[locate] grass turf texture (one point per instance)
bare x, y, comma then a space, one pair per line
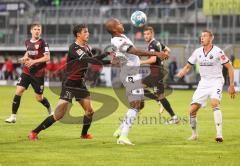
156, 144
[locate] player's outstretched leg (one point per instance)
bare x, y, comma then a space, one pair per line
60, 111
117, 132
15, 104
87, 118
165, 103
127, 124
44, 125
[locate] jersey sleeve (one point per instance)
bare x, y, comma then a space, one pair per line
45, 46
122, 44
223, 58
163, 46
193, 58
157, 46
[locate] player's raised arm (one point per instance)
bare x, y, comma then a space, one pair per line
139, 52
185, 69
231, 89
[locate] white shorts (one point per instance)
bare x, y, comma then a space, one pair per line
208, 88
132, 81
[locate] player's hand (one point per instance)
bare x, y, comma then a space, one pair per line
231, 91
180, 74
23, 60
115, 61
29, 62
162, 55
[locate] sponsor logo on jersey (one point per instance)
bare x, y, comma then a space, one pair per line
223, 57
79, 52
32, 53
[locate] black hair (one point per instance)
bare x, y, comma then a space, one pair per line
78, 28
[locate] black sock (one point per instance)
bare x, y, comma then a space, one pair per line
15, 104
150, 95
87, 120
45, 102
45, 124
167, 106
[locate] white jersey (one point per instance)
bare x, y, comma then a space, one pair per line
211, 64
122, 44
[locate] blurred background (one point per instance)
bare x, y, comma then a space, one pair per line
177, 23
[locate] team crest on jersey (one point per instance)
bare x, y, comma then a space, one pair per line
211, 56
199, 56
36, 46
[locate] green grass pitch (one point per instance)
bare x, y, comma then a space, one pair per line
156, 144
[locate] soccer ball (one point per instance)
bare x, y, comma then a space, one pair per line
138, 18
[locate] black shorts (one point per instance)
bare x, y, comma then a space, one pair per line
74, 88
36, 82
154, 82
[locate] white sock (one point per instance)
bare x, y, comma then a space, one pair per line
128, 121
218, 120
174, 117
121, 126
13, 115
193, 124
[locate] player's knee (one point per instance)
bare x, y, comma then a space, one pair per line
89, 111
215, 104
193, 110
141, 105
39, 98
19, 91
160, 95
137, 105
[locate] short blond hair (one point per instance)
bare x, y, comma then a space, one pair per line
35, 24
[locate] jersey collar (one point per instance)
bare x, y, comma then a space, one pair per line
34, 41
208, 51
151, 41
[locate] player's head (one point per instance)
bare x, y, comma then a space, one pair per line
36, 30
80, 31
148, 33
114, 27
206, 38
